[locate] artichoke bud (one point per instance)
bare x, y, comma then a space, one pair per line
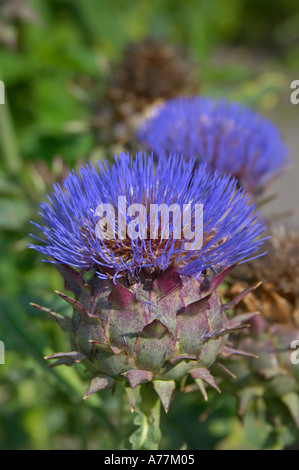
157, 331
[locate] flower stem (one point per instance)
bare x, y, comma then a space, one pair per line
147, 418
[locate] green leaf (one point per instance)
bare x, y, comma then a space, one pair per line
147, 436
14, 213
291, 400
247, 395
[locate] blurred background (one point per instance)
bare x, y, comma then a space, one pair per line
78, 79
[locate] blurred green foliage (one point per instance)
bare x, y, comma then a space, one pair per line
57, 68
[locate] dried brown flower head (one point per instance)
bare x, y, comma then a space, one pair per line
150, 72
278, 296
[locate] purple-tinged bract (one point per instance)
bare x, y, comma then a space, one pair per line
226, 136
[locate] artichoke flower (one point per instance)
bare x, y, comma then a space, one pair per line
228, 137
146, 306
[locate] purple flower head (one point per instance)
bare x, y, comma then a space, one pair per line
229, 223
226, 136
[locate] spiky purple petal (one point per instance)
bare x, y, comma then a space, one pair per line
226, 136
230, 223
